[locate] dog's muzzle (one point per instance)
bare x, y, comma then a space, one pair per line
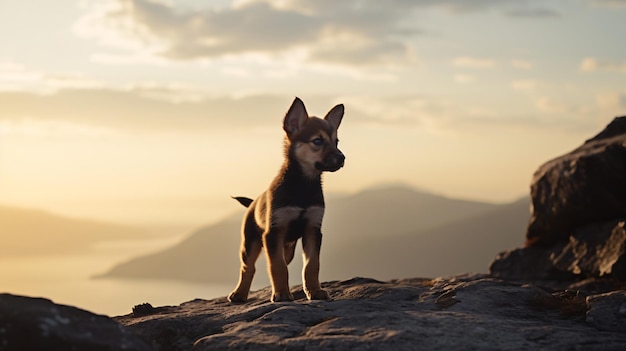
332, 162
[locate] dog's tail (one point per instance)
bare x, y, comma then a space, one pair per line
245, 201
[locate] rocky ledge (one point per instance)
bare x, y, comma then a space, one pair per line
470, 312
467, 312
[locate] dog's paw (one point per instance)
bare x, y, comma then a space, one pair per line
237, 297
319, 294
281, 297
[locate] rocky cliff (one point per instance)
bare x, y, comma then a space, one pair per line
563, 291
576, 228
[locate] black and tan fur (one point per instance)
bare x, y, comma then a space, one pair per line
292, 207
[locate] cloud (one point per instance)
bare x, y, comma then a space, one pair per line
612, 101
149, 108
350, 32
16, 77
400, 6
359, 37
592, 64
609, 3
464, 78
533, 13
549, 105
453, 6
473, 62
446, 116
397, 111
41, 128
524, 85
153, 108
141, 109
521, 64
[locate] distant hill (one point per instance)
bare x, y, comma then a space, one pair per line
35, 232
373, 233
462, 246
394, 209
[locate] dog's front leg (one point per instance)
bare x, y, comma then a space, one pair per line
274, 242
311, 245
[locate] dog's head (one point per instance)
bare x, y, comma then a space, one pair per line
312, 141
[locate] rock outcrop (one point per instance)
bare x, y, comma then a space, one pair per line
585, 186
595, 250
38, 324
471, 312
576, 229
467, 312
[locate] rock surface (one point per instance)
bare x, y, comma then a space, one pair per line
39, 324
585, 186
595, 250
467, 312
470, 312
576, 229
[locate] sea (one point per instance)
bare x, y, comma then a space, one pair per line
69, 279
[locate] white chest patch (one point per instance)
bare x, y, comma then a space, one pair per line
284, 215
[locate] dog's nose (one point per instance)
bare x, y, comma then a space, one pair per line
340, 157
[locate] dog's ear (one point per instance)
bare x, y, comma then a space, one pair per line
334, 116
295, 117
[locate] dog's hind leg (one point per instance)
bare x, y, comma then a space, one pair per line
249, 254
251, 247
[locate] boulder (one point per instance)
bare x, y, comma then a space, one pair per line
526, 264
38, 324
576, 230
594, 250
585, 186
467, 312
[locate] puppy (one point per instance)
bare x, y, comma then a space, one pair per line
292, 207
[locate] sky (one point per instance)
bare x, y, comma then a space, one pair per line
155, 112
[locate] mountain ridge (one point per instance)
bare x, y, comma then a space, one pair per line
26, 232
465, 245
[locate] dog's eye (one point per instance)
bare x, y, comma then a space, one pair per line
318, 141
